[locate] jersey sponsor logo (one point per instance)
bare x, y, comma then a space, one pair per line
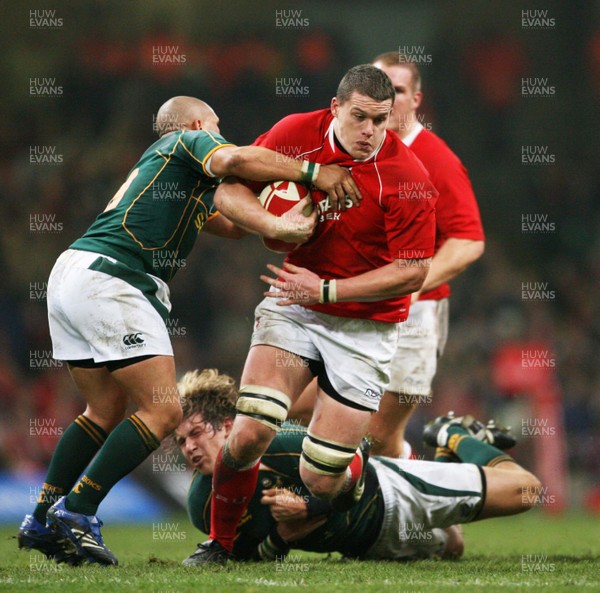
324, 206
133, 340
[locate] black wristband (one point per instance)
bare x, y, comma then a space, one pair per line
325, 291
317, 506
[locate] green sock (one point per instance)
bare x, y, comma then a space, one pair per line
470, 450
76, 448
444, 455
126, 447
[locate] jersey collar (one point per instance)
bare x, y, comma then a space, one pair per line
417, 128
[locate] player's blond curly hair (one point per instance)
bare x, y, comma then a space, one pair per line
209, 393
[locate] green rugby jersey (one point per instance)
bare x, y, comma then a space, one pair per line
153, 220
351, 533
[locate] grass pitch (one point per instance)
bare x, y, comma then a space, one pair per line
534, 553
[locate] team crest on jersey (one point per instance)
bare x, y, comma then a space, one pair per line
200, 220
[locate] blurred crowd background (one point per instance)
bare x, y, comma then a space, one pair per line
234, 54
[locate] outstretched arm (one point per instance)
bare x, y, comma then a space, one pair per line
261, 164
221, 226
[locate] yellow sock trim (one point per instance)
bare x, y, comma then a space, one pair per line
500, 459
86, 425
455, 440
148, 437
443, 452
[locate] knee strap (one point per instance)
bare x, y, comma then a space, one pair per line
325, 457
264, 404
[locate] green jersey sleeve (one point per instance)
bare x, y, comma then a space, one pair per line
197, 147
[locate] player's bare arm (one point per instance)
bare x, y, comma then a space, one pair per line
221, 226
299, 286
291, 531
453, 258
261, 164
239, 204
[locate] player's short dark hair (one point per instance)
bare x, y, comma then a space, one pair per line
209, 393
366, 80
397, 58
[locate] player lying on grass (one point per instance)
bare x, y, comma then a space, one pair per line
409, 509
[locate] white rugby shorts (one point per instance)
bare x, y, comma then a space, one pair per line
96, 315
356, 352
420, 499
421, 341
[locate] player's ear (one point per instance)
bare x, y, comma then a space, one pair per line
417, 99
196, 125
334, 106
227, 425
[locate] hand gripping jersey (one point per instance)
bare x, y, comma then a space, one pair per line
152, 222
457, 213
396, 218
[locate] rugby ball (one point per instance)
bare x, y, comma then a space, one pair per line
278, 197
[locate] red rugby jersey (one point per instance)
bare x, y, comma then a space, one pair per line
396, 218
457, 213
